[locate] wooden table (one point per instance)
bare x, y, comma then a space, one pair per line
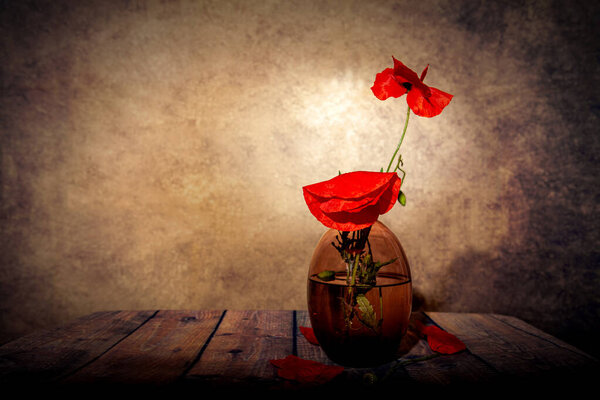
226, 350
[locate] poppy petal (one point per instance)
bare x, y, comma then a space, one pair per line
352, 185
402, 71
428, 106
424, 73
354, 200
441, 341
309, 334
348, 222
357, 204
386, 85
341, 221
306, 371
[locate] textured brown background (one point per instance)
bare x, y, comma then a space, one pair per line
153, 153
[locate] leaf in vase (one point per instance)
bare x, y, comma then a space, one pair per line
326, 275
367, 313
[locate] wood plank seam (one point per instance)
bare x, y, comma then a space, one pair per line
199, 355
540, 337
484, 362
294, 335
71, 373
481, 359
431, 320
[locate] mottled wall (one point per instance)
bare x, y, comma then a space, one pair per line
153, 153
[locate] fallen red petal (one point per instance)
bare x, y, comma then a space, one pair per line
306, 371
309, 334
439, 340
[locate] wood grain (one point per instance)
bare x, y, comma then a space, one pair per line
201, 350
48, 355
519, 352
439, 370
239, 352
158, 353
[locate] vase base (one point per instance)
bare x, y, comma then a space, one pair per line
363, 353
363, 362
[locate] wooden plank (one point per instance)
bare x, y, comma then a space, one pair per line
238, 355
48, 355
518, 351
446, 370
418, 366
214, 349
156, 354
522, 325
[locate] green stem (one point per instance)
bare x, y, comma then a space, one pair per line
380, 306
403, 175
401, 139
353, 282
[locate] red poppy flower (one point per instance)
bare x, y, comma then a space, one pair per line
441, 341
423, 100
353, 200
306, 371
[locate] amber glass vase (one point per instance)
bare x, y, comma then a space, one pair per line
360, 324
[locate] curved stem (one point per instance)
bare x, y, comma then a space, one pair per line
401, 139
403, 175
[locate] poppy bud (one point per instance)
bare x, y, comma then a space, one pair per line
402, 198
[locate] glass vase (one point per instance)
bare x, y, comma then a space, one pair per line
359, 295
